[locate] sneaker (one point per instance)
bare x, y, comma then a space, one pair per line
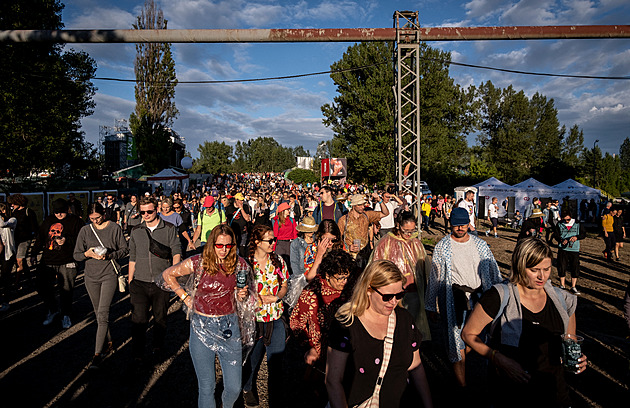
487, 233
250, 399
65, 322
4, 307
50, 317
96, 362
575, 291
496, 235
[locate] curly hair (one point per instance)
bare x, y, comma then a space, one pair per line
257, 235
18, 199
209, 259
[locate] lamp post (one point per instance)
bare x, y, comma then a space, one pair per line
595, 164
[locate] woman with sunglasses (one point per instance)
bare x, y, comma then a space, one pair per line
101, 276
327, 237
403, 247
214, 290
271, 277
380, 340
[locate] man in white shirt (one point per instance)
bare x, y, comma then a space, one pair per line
468, 204
462, 268
493, 216
388, 222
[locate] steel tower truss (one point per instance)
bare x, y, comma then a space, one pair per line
408, 105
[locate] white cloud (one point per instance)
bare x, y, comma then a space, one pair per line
104, 18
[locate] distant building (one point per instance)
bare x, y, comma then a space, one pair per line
118, 151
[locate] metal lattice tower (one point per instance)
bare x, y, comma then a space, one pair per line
408, 105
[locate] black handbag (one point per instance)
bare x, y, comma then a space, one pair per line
159, 249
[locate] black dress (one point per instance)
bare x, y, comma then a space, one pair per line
366, 355
538, 352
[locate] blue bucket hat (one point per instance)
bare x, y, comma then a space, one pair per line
459, 216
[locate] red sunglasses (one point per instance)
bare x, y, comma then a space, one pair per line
220, 246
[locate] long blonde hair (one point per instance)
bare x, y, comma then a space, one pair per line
378, 274
209, 258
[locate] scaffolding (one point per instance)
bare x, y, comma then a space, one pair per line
115, 146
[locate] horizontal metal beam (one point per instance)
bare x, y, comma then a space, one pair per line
314, 34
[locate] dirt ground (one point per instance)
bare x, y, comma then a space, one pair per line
47, 366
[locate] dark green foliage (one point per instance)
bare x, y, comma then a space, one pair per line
44, 93
214, 158
302, 176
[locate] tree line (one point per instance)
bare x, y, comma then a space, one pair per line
263, 154
517, 136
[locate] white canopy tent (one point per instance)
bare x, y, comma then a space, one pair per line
170, 180
493, 187
525, 191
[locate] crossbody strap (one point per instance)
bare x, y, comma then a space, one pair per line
101, 242
388, 344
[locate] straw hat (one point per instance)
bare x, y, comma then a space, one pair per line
536, 213
307, 225
357, 199
312, 205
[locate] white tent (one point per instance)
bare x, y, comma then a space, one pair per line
170, 180
576, 191
525, 191
493, 188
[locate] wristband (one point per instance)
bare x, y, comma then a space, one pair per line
184, 297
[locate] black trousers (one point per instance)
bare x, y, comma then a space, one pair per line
147, 296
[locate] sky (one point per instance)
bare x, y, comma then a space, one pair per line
289, 110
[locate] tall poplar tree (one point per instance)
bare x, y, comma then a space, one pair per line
155, 90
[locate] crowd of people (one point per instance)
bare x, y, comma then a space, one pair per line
258, 261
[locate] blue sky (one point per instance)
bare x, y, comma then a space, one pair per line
289, 110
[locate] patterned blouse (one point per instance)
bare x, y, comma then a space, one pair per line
268, 282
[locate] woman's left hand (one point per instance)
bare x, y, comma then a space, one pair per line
582, 364
267, 299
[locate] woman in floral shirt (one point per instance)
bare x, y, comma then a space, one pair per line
270, 272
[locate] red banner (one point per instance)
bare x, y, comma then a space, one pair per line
325, 167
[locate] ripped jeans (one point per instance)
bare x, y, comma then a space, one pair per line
210, 336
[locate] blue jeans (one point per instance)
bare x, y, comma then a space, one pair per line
275, 352
211, 336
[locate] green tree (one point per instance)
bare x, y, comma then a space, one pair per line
447, 115
362, 115
624, 155
44, 93
155, 90
302, 176
507, 131
214, 158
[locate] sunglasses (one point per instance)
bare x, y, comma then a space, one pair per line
270, 241
147, 212
389, 296
220, 246
177, 206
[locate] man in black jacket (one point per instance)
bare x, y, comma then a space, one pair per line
56, 238
144, 268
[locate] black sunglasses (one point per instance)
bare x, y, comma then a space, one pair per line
270, 241
389, 296
147, 212
220, 246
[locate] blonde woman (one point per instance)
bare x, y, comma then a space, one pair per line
359, 333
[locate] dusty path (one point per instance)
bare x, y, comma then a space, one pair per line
46, 366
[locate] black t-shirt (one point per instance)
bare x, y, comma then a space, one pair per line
235, 217
366, 355
538, 352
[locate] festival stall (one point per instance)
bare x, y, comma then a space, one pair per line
493, 188
170, 180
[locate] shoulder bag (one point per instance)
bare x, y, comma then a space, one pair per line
157, 248
388, 344
122, 281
